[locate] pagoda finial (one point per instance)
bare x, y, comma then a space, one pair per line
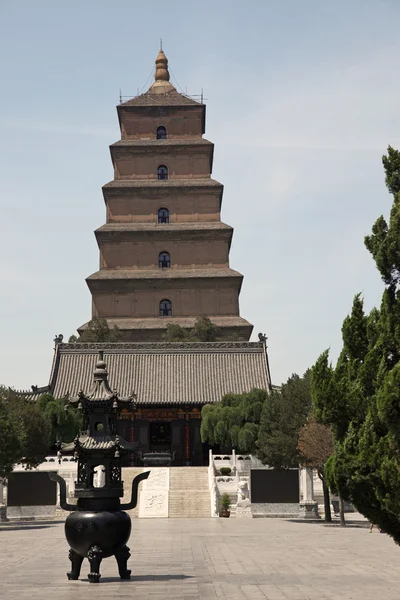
162, 73
161, 83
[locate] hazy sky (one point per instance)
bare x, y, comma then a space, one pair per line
303, 98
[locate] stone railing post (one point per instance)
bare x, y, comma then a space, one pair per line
212, 486
3, 508
308, 508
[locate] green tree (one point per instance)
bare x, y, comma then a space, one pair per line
25, 432
234, 422
176, 333
284, 413
64, 424
360, 397
204, 330
98, 330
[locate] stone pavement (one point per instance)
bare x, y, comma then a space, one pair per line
210, 559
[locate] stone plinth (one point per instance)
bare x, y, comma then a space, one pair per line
244, 512
275, 510
31, 512
308, 510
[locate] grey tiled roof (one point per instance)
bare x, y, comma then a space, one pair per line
33, 394
170, 227
162, 143
98, 443
170, 273
161, 322
205, 182
172, 98
162, 373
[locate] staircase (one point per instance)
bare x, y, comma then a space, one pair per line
128, 474
189, 495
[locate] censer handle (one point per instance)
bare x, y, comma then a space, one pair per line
135, 484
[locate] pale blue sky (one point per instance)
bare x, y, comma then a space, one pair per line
302, 100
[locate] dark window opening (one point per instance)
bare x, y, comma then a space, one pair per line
165, 308
164, 260
163, 215
162, 172
161, 133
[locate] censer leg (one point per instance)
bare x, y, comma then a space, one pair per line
94, 555
76, 563
122, 556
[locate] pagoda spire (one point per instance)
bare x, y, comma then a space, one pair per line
162, 73
161, 83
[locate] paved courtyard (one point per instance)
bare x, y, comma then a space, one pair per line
209, 559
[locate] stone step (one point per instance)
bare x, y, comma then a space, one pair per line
189, 478
189, 496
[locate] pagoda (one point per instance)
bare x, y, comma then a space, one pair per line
164, 252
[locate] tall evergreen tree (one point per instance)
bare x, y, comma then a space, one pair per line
284, 414
360, 398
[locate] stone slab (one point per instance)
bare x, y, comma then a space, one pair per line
158, 478
155, 494
277, 510
153, 504
31, 512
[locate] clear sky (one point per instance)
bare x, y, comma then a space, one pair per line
303, 98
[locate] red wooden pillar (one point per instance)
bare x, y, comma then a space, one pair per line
187, 439
132, 439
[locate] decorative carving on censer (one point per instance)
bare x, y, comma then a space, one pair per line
98, 528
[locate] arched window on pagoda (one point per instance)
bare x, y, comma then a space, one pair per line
163, 215
162, 172
165, 308
164, 260
161, 133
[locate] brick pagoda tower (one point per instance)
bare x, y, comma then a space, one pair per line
164, 252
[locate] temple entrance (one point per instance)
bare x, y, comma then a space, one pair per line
166, 436
160, 436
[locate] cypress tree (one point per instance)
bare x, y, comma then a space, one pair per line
360, 398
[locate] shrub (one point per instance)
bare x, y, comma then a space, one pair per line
225, 501
225, 470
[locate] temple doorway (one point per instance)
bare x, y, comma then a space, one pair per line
160, 436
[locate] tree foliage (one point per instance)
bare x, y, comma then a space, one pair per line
234, 422
315, 445
360, 397
176, 333
29, 430
64, 424
204, 330
25, 433
260, 422
284, 413
98, 330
